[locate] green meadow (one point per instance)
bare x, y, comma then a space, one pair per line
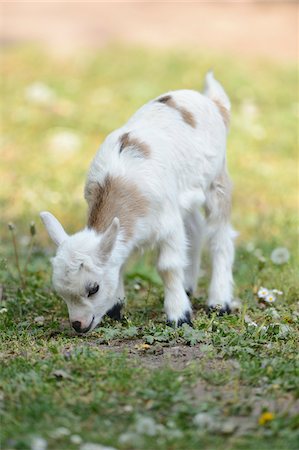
231, 382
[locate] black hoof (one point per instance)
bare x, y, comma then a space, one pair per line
189, 292
186, 319
115, 312
220, 311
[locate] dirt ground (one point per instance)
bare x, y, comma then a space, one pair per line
254, 29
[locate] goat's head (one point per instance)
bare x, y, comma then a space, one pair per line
85, 273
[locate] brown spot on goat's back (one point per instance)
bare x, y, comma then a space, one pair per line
166, 99
127, 141
115, 197
224, 113
187, 116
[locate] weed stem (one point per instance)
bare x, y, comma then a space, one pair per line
11, 228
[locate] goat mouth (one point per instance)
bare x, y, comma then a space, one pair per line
85, 330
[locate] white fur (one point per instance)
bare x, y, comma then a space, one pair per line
178, 178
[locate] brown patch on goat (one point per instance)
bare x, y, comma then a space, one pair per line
128, 141
115, 197
187, 116
224, 113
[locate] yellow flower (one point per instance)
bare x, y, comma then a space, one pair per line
266, 417
142, 346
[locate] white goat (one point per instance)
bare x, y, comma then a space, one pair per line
146, 186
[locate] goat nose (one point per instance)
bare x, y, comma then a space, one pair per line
77, 326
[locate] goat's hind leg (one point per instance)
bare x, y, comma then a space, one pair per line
220, 241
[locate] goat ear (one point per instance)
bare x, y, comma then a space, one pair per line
54, 228
108, 240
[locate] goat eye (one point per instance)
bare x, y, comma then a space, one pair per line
93, 290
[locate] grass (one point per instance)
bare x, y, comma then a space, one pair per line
139, 384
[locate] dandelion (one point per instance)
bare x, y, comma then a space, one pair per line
284, 330
174, 434
128, 438
229, 426
204, 420
65, 141
60, 432
270, 298
92, 446
265, 418
146, 425
32, 229
75, 439
280, 255
39, 320
262, 292
38, 443
249, 109
40, 94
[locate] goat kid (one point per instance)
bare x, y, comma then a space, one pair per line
146, 185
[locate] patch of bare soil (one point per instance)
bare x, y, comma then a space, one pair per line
154, 356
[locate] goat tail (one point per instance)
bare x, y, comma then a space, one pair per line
214, 91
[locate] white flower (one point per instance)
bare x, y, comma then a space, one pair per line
204, 420
174, 434
60, 432
3, 310
229, 426
75, 439
40, 320
270, 298
146, 425
280, 255
284, 330
40, 93
92, 446
262, 292
129, 438
64, 141
249, 109
38, 443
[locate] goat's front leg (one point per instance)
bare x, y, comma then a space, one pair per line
171, 261
115, 311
